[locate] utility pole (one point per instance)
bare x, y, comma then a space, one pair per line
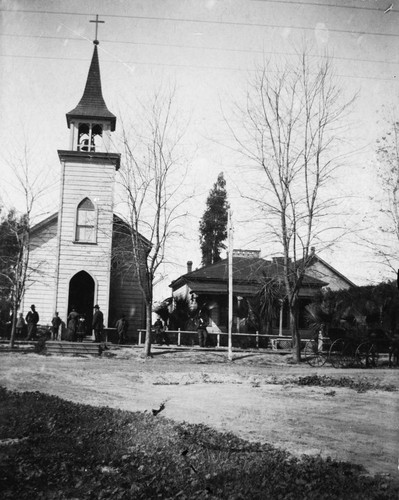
230, 272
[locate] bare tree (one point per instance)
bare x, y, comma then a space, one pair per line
152, 175
388, 175
17, 267
290, 127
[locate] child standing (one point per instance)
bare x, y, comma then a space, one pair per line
20, 325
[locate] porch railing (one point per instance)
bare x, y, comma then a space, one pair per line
181, 335
190, 337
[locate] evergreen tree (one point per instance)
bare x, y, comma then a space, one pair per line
213, 225
10, 227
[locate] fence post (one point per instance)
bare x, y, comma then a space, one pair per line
218, 340
139, 337
178, 336
257, 339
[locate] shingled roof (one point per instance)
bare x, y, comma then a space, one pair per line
92, 104
248, 273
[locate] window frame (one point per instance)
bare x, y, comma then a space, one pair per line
77, 238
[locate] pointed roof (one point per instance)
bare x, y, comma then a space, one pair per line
92, 104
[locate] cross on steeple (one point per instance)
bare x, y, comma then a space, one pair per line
96, 42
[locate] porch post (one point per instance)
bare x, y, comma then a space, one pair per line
280, 327
230, 287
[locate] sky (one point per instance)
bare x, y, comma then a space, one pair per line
209, 50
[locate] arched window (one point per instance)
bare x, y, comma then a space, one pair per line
86, 222
96, 137
84, 137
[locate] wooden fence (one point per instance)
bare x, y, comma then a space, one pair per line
220, 339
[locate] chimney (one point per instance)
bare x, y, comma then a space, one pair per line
248, 254
189, 266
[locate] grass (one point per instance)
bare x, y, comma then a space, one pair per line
62, 450
361, 385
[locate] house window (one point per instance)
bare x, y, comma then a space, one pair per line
89, 137
86, 222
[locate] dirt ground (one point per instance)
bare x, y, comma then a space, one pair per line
243, 396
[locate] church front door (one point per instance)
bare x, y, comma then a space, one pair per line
81, 297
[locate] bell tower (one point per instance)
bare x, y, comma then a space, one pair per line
85, 217
90, 122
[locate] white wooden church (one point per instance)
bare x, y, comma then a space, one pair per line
71, 250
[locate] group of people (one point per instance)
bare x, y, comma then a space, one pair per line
29, 323
162, 337
77, 327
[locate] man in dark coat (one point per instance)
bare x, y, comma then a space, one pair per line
55, 326
98, 323
32, 319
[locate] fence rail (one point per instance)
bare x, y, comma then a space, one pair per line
256, 337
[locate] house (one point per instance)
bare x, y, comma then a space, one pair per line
319, 268
207, 287
71, 251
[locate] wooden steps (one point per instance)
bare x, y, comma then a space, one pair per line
73, 348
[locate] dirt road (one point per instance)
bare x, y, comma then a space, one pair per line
245, 396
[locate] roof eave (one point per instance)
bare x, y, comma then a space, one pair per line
91, 117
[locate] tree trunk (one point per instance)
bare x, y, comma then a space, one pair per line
147, 345
14, 322
296, 338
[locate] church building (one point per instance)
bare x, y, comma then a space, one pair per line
71, 251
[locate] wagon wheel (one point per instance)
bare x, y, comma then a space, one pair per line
349, 355
338, 354
313, 355
367, 355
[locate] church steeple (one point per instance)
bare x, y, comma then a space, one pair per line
91, 121
92, 105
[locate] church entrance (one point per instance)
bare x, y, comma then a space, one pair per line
81, 297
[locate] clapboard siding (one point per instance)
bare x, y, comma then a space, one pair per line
126, 298
40, 286
324, 273
94, 181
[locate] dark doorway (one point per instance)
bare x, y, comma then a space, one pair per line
81, 297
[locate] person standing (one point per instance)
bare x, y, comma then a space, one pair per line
98, 323
161, 335
81, 331
202, 332
32, 319
73, 318
55, 326
20, 325
121, 328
